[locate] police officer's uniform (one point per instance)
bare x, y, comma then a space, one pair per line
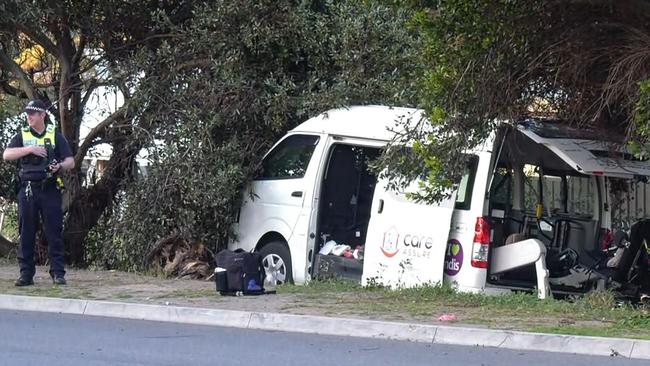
39, 193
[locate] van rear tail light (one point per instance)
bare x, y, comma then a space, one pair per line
481, 246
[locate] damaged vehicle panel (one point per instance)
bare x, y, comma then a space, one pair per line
532, 211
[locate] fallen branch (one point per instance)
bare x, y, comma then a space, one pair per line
177, 257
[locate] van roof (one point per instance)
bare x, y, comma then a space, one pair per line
582, 150
370, 122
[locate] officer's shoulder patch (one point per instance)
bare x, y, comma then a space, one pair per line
50, 128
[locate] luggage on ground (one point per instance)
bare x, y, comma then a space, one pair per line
239, 273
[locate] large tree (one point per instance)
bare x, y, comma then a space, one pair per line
236, 79
581, 61
62, 52
208, 86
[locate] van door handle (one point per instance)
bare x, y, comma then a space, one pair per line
381, 206
296, 194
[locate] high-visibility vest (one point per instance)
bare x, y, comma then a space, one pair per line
47, 139
31, 166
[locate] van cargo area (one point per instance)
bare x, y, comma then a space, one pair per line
347, 190
537, 194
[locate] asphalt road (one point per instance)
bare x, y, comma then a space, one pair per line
29, 338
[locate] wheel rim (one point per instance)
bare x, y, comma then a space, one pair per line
274, 264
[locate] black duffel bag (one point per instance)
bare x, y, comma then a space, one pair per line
239, 273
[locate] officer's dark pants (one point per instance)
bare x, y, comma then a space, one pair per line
44, 201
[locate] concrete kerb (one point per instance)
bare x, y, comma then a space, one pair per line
598, 346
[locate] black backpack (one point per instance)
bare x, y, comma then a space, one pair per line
239, 273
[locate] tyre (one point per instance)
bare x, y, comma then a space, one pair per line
276, 259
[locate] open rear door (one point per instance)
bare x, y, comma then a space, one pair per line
586, 155
406, 241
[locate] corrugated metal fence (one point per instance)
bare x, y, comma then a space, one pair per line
580, 194
629, 205
633, 203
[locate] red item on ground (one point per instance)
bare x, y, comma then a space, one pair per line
447, 318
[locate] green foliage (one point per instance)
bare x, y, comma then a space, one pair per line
10, 229
641, 146
470, 46
11, 121
225, 86
489, 61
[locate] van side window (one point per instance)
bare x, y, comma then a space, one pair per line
501, 189
466, 186
289, 160
552, 193
580, 192
562, 192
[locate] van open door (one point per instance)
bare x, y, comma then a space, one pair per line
584, 152
406, 241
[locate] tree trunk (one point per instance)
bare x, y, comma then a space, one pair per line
6, 246
88, 205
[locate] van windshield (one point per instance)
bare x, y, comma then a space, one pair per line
290, 159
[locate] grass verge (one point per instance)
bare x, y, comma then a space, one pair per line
596, 314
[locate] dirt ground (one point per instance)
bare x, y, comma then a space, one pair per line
129, 287
136, 288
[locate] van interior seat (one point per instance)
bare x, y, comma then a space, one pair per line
573, 240
581, 235
639, 233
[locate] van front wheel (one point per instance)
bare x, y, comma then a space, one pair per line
276, 259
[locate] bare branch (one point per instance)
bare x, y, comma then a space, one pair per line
94, 84
80, 49
25, 83
39, 38
123, 113
124, 89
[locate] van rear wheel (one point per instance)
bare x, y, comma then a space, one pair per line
276, 259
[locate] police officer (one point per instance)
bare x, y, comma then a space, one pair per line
42, 152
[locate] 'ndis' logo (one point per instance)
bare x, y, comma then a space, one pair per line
453, 257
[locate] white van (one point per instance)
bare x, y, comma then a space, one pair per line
531, 209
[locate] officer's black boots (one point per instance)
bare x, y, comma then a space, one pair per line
59, 280
24, 281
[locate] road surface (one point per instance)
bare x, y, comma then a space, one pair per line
30, 338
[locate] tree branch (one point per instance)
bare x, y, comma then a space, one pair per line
80, 49
8, 89
94, 84
25, 83
6, 246
100, 131
39, 38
